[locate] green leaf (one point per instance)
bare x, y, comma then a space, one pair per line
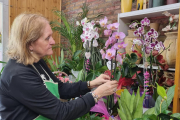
98, 65
76, 54
102, 69
62, 56
133, 70
150, 111
90, 76
127, 55
150, 117
125, 108
166, 112
80, 75
164, 116
80, 65
127, 98
139, 109
132, 102
133, 57
126, 69
161, 91
170, 94
176, 115
121, 114
117, 75
136, 100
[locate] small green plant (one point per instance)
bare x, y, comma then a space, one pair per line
160, 112
131, 106
58, 63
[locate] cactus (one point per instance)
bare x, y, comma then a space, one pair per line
131, 106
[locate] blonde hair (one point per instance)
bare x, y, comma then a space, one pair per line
26, 28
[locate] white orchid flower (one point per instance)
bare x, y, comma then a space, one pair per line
77, 23
109, 65
84, 21
95, 43
87, 55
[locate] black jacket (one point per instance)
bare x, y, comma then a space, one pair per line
23, 96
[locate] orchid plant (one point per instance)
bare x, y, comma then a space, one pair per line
111, 53
173, 20
149, 43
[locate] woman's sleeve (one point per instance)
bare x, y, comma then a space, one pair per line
68, 90
32, 93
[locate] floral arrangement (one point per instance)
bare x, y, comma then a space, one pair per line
173, 20
151, 52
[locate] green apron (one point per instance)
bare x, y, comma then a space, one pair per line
52, 87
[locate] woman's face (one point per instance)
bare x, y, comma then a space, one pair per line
43, 46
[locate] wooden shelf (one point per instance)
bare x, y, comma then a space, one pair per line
124, 18
154, 67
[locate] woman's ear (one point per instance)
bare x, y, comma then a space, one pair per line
30, 47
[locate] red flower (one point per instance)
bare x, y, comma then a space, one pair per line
124, 82
134, 76
169, 82
135, 51
161, 80
108, 72
162, 61
155, 52
159, 57
164, 67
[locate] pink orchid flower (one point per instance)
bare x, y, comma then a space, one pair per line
119, 58
107, 32
110, 53
146, 75
111, 40
103, 22
145, 22
118, 35
102, 53
113, 26
120, 45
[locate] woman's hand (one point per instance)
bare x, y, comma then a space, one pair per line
106, 89
99, 81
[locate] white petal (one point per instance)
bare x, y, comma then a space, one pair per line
88, 55
95, 43
109, 65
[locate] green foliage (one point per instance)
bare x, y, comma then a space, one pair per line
94, 73
76, 62
129, 67
58, 63
2, 67
154, 113
89, 117
131, 106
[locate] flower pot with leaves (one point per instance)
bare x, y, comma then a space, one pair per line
171, 33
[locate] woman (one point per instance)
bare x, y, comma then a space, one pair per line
23, 94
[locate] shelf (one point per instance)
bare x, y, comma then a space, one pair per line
124, 18
150, 12
154, 67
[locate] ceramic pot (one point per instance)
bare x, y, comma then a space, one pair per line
140, 2
171, 1
170, 54
155, 26
126, 6
157, 3
128, 40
